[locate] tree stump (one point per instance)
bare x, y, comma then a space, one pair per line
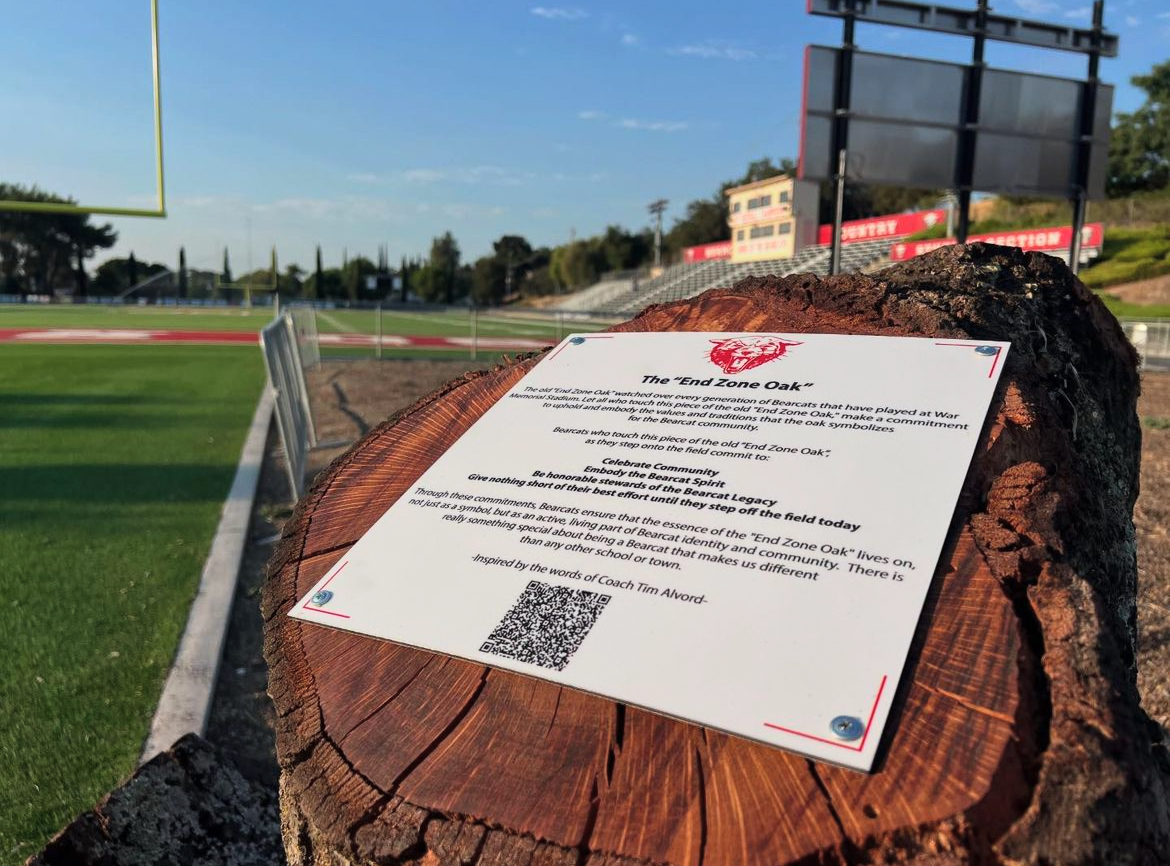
1016, 736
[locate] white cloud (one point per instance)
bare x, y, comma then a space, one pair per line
1080, 12
631, 40
1038, 7
463, 210
423, 175
345, 208
1163, 15
485, 174
592, 177
590, 114
199, 201
713, 49
653, 125
1132, 20
559, 13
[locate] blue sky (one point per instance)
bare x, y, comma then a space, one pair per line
368, 122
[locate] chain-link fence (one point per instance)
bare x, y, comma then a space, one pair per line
435, 332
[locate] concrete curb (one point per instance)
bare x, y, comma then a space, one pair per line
186, 695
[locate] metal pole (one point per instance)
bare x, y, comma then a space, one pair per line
965, 156
656, 208
378, 344
1085, 146
841, 131
474, 337
838, 214
658, 241
276, 305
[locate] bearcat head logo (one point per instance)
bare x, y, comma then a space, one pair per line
743, 353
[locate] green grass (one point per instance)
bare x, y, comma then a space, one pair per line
96, 316
1124, 309
114, 463
1130, 254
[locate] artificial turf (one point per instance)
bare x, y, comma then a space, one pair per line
114, 464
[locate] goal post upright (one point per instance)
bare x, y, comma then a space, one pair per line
158, 212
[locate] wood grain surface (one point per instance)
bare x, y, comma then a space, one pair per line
1016, 734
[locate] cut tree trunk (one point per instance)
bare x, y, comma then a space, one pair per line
1016, 736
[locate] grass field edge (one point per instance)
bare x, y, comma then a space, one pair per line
185, 701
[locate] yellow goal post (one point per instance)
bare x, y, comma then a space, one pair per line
161, 210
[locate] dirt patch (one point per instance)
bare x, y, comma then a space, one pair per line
1152, 291
350, 397
1152, 520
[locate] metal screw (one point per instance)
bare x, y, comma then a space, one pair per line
577, 341
322, 597
847, 727
986, 350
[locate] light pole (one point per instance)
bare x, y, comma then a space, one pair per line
656, 208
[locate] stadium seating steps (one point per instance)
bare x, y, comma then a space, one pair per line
629, 295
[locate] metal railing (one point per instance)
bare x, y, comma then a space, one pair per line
294, 418
1151, 338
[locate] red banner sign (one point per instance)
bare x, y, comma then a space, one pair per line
707, 252
1055, 239
890, 226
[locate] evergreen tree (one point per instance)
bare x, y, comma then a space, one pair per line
273, 273
182, 272
318, 279
132, 270
227, 267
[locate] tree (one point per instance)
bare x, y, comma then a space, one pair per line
273, 272
862, 200
227, 267
406, 271
574, 265
620, 250
324, 284
41, 251
762, 169
442, 282
1139, 155
488, 281
512, 252
353, 275
114, 275
705, 223
313, 284
182, 272
293, 280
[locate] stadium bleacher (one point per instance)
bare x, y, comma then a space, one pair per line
629, 295
599, 296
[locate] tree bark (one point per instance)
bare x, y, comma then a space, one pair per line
1016, 736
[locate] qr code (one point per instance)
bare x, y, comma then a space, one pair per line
546, 625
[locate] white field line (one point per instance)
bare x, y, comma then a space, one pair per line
335, 323
186, 696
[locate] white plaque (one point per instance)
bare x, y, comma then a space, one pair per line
738, 530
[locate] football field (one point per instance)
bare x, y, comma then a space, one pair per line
423, 323
114, 465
